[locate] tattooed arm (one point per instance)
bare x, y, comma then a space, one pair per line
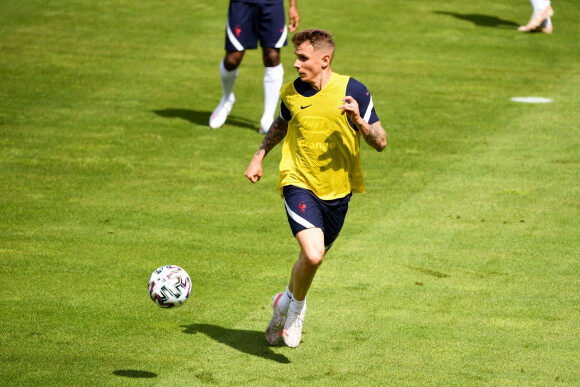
373, 134
276, 134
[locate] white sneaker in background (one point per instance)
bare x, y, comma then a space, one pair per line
221, 112
265, 124
537, 20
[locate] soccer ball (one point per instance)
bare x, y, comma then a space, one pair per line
169, 286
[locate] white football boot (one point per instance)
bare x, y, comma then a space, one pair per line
265, 124
221, 112
276, 325
293, 328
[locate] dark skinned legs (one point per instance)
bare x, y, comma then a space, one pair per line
270, 57
273, 75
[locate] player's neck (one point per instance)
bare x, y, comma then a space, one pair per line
322, 80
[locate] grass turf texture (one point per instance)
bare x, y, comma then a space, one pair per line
458, 267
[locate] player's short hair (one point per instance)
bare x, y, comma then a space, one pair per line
320, 39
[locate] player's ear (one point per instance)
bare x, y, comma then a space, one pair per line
325, 61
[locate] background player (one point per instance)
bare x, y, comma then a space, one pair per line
248, 22
541, 17
322, 116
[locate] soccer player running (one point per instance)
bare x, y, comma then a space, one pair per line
322, 117
248, 22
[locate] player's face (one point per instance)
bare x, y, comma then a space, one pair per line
308, 63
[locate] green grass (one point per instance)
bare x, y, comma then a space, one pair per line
459, 266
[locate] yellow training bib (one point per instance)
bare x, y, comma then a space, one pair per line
321, 151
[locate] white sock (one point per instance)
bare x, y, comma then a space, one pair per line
273, 79
539, 5
284, 301
298, 306
228, 79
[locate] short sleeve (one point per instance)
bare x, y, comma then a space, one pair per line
285, 112
364, 99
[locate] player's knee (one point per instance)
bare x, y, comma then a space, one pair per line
313, 257
271, 57
233, 60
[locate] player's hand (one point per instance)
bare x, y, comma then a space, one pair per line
254, 171
293, 18
350, 107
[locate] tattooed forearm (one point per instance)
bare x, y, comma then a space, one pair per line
375, 136
276, 134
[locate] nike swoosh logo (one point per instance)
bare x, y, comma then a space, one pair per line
304, 107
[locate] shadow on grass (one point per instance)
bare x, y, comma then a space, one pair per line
250, 342
138, 374
430, 272
481, 20
202, 118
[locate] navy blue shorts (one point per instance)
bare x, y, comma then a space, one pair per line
306, 210
249, 23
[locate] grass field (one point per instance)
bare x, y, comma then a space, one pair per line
459, 266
